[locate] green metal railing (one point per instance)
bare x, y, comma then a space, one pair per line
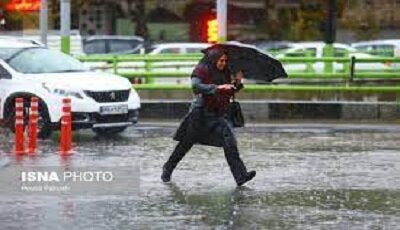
282, 88
150, 66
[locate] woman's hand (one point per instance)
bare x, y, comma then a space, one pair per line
238, 81
226, 88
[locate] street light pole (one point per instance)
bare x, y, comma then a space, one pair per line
65, 25
43, 21
222, 6
330, 34
331, 22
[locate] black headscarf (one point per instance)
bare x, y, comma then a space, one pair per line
210, 59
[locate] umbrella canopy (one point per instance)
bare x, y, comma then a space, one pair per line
255, 65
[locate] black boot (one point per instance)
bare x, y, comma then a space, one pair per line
235, 163
179, 152
166, 175
250, 175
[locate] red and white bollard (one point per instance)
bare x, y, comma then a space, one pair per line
33, 122
19, 126
66, 127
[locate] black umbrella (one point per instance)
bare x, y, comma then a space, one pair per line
255, 65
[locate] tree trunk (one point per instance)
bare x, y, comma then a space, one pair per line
135, 9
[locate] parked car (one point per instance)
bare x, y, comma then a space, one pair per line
188, 48
175, 66
97, 44
383, 48
53, 39
112, 44
274, 47
23, 40
178, 48
315, 49
386, 48
101, 101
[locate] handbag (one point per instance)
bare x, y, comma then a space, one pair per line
235, 114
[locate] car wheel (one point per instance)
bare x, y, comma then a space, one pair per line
109, 131
44, 124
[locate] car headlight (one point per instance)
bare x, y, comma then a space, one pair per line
62, 92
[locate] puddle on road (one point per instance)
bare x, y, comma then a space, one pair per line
310, 180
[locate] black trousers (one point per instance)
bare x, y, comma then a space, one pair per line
231, 151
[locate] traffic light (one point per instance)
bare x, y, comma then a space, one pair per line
23, 5
205, 27
212, 30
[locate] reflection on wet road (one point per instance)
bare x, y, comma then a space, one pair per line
308, 177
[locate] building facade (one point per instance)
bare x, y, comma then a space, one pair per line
183, 20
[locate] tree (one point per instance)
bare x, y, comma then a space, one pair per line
360, 18
310, 18
55, 10
136, 10
272, 25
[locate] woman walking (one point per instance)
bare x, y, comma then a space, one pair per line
206, 121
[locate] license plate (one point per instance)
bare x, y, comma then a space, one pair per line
114, 109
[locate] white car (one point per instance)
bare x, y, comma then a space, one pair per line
178, 48
101, 101
112, 44
53, 39
386, 47
315, 49
181, 66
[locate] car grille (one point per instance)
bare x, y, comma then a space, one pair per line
109, 96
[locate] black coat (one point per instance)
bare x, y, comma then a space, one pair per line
203, 125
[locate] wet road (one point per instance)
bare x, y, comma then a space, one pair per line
309, 176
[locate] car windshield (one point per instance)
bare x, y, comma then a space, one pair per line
40, 60
6, 53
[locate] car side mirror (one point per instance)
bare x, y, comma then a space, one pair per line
4, 74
